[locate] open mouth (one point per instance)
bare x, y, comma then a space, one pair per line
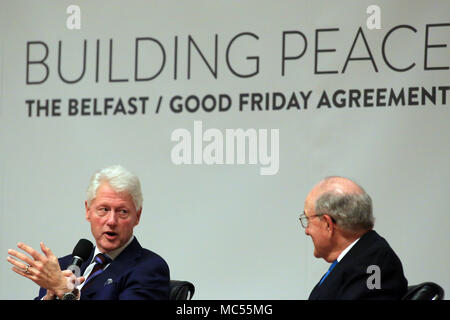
110, 235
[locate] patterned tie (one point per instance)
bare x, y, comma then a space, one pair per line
101, 261
328, 272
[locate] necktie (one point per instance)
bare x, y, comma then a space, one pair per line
328, 272
101, 261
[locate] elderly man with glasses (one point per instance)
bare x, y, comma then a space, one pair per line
338, 217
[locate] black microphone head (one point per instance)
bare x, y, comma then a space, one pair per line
83, 249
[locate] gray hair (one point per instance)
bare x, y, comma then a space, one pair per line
120, 179
353, 212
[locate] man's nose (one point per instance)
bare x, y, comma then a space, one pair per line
112, 218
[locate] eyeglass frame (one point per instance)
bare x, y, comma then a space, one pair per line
304, 216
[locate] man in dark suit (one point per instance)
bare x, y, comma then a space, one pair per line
118, 268
338, 218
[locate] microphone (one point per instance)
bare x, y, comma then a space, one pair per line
80, 253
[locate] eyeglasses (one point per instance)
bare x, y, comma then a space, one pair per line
304, 220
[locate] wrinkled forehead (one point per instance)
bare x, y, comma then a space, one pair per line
310, 201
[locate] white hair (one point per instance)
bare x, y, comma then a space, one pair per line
120, 179
353, 211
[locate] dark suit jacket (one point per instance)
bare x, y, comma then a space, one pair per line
348, 279
135, 274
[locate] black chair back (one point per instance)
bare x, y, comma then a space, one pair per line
181, 290
424, 291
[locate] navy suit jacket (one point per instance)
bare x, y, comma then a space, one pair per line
135, 274
348, 279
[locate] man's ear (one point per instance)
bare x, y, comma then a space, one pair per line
88, 218
330, 224
138, 216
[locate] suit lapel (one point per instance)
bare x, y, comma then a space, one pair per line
112, 273
86, 263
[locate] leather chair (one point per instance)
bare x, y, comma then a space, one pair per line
181, 290
424, 291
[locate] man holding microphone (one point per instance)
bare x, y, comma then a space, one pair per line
118, 267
